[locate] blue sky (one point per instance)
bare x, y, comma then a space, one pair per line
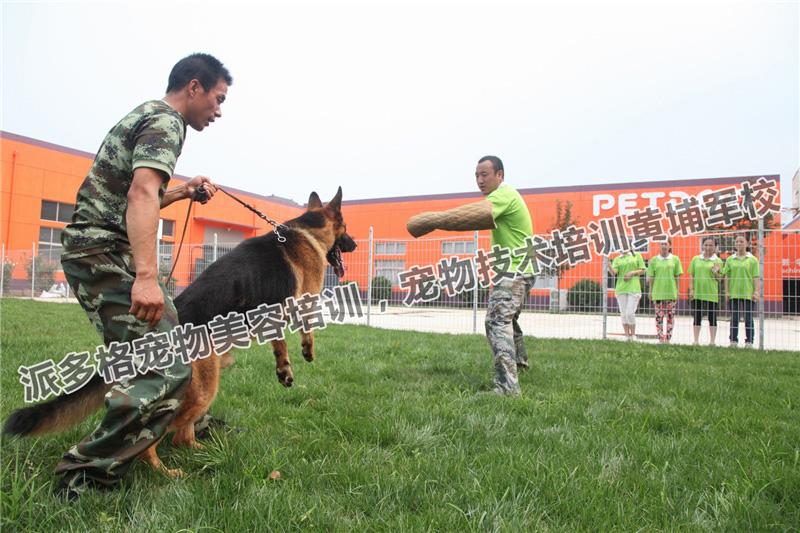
391, 99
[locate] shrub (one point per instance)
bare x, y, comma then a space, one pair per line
45, 272
467, 297
585, 295
381, 289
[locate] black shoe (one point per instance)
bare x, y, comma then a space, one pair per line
73, 484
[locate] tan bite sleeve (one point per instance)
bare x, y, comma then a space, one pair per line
468, 217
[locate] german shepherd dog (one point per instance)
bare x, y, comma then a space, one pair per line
259, 270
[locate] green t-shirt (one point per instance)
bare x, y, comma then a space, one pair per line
513, 222
624, 264
150, 136
741, 273
663, 271
704, 284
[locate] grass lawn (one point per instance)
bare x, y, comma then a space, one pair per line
397, 431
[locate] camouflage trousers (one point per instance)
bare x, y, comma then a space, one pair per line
504, 334
139, 409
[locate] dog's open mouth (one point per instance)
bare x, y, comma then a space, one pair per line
335, 259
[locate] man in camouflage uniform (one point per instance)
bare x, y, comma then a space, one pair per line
513, 226
505, 213
110, 262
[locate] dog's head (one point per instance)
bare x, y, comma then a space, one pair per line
342, 242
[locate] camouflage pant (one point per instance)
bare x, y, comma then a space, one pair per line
138, 410
504, 334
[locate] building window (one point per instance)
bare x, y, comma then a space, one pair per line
390, 248
57, 211
458, 247
50, 243
167, 228
390, 270
165, 257
545, 281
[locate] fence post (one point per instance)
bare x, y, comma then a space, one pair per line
604, 285
33, 268
475, 293
3, 272
369, 278
214, 256
763, 283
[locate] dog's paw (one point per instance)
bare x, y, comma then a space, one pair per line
285, 376
174, 472
308, 352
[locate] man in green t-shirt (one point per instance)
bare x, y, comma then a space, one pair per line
505, 213
110, 262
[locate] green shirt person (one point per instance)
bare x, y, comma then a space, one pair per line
504, 212
627, 268
513, 222
705, 274
743, 287
663, 273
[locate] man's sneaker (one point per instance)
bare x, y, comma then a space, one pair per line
522, 366
497, 391
73, 484
748, 345
734, 344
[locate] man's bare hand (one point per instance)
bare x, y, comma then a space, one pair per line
148, 300
208, 187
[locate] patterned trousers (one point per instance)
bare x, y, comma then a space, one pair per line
504, 334
139, 409
665, 309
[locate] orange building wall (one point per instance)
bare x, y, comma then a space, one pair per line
388, 218
42, 171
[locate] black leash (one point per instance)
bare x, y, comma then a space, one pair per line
276, 225
200, 195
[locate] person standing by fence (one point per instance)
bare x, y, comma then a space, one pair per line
662, 277
504, 211
627, 267
742, 286
705, 273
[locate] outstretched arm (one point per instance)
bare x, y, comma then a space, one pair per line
469, 217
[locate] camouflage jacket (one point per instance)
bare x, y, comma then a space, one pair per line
150, 136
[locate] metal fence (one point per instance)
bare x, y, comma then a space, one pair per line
569, 302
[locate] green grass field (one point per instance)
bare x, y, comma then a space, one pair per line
397, 431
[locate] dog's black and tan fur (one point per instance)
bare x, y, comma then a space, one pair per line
259, 270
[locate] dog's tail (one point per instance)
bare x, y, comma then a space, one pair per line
57, 414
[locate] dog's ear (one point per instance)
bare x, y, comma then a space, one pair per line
336, 203
314, 201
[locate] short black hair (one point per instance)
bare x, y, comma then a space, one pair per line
205, 68
497, 165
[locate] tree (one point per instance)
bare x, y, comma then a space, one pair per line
563, 221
